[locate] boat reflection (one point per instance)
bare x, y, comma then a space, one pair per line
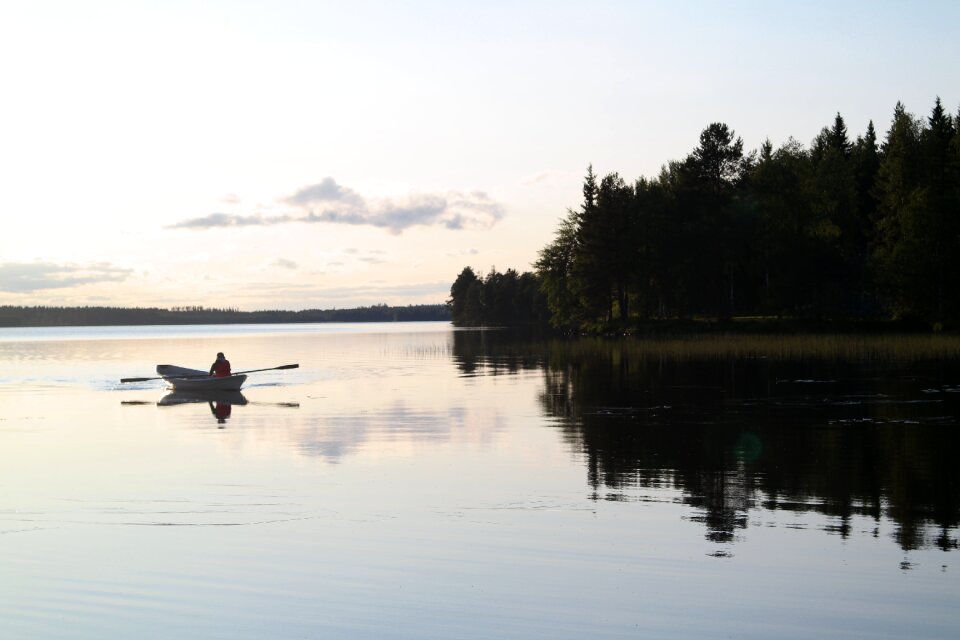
220, 402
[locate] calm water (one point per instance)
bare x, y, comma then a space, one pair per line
410, 481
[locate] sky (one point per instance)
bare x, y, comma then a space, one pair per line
306, 154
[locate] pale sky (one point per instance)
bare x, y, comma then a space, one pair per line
294, 155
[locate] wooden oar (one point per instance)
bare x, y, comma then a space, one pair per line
235, 373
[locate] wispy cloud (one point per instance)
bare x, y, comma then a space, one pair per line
329, 202
284, 263
324, 192
26, 277
220, 220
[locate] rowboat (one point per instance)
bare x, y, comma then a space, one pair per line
184, 379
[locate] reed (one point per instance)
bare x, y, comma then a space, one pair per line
775, 347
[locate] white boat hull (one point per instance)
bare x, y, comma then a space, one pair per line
184, 379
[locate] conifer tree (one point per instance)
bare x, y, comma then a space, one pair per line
711, 176
464, 299
900, 246
940, 212
554, 269
603, 254
838, 137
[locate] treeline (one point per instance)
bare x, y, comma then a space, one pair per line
861, 229
498, 299
14, 316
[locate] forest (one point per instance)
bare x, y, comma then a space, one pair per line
845, 230
40, 316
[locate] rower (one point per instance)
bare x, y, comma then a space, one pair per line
221, 367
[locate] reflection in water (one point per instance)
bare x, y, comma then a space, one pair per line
220, 410
465, 484
220, 402
842, 427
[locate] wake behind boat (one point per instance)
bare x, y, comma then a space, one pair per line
183, 378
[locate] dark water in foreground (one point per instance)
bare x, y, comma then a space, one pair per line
409, 481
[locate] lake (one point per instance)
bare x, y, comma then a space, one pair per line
416, 481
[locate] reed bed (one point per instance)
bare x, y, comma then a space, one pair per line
776, 347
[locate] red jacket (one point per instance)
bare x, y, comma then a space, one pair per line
220, 368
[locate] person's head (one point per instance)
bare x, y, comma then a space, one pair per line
220, 356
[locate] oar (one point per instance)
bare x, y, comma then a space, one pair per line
235, 373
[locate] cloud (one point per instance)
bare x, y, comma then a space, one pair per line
325, 191
220, 220
284, 263
332, 203
462, 252
26, 277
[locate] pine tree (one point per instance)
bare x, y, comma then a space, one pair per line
603, 254
900, 246
711, 176
838, 137
833, 203
941, 216
463, 311
554, 269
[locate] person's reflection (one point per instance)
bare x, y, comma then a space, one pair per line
221, 411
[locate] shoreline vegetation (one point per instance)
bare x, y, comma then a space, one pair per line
846, 235
46, 316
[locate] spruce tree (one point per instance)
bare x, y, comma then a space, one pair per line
900, 245
554, 269
462, 311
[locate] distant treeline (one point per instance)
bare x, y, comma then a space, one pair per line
843, 230
12, 316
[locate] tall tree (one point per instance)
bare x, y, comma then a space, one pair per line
712, 175
652, 283
900, 230
790, 233
604, 255
554, 269
464, 299
941, 210
839, 141
834, 200
866, 166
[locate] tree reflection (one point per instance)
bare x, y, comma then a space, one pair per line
846, 433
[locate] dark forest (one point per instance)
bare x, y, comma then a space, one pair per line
843, 231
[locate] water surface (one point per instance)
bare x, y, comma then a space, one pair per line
412, 481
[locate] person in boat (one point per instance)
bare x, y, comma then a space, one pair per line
221, 367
